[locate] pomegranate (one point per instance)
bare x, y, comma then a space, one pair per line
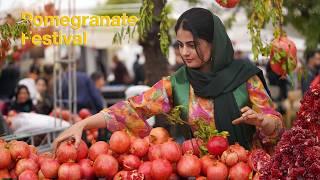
66, 152
86, 167
26, 164
19, 150
145, 168
5, 158
192, 146
44, 156
33, 149
229, 157
5, 44
283, 56
98, 148
217, 144
131, 162
257, 159
171, 151
228, 3
217, 171
154, 152
240, 171
13, 174
69, 170
206, 161
84, 113
139, 147
161, 169
49, 168
158, 135
241, 151
34, 156
4, 173
82, 150
28, 175
105, 166
119, 142
121, 175
189, 166
66, 115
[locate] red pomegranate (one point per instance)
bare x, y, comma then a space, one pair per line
154, 152
49, 168
105, 166
229, 157
84, 113
161, 169
217, 144
66, 152
240, 171
98, 148
192, 146
5, 158
131, 162
82, 150
241, 152
228, 3
86, 167
26, 164
119, 142
206, 161
217, 171
283, 56
257, 159
158, 135
19, 150
139, 147
28, 175
189, 166
69, 170
171, 151
145, 168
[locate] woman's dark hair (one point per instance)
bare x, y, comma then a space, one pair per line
199, 22
18, 89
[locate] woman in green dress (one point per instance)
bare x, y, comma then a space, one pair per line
228, 95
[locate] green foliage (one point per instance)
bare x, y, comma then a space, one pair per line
164, 30
14, 31
146, 18
305, 17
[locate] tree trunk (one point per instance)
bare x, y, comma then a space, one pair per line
156, 65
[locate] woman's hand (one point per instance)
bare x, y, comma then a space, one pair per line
250, 117
267, 125
75, 132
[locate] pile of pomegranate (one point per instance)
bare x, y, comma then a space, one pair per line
297, 155
156, 156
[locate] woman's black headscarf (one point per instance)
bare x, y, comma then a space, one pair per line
226, 74
25, 106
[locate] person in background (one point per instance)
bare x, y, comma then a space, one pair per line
22, 101
44, 100
98, 79
88, 96
9, 79
121, 74
30, 82
138, 71
312, 69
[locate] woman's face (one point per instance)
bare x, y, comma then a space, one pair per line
23, 95
41, 86
187, 49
